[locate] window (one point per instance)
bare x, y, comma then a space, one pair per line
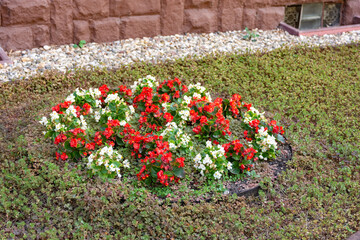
313, 15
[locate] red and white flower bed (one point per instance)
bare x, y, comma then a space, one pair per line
159, 128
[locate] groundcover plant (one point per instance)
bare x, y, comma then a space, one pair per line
158, 128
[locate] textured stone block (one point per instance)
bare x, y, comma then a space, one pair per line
134, 7
249, 18
201, 4
140, 26
91, 9
15, 38
41, 35
25, 12
200, 21
81, 31
106, 30
172, 17
270, 17
351, 9
61, 22
231, 19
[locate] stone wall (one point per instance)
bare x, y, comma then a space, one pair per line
33, 23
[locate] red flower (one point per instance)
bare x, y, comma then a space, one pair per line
108, 132
197, 129
166, 157
60, 138
254, 123
168, 117
181, 162
87, 108
73, 142
113, 123
177, 94
90, 146
64, 156
165, 97
103, 89
184, 88
203, 120
245, 134
209, 108
248, 106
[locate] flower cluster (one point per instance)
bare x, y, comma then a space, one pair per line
212, 162
106, 162
159, 128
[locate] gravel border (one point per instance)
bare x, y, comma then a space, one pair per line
161, 48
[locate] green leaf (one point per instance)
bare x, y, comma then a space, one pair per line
169, 173
112, 107
179, 172
153, 173
67, 146
235, 169
280, 138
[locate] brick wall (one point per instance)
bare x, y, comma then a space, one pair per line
26, 24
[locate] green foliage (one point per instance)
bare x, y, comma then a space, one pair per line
81, 44
313, 92
250, 35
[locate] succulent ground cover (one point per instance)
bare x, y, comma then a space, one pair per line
313, 93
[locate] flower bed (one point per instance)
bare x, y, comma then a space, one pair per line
158, 129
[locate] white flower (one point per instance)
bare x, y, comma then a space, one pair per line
119, 157
71, 111
44, 121
187, 100
97, 103
126, 163
207, 160
262, 132
185, 114
132, 109
202, 167
109, 151
70, 98
112, 97
95, 93
112, 168
97, 116
58, 127
208, 96
217, 175
54, 115
196, 95
197, 158
172, 146
122, 123
106, 150
229, 166
79, 92
208, 144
